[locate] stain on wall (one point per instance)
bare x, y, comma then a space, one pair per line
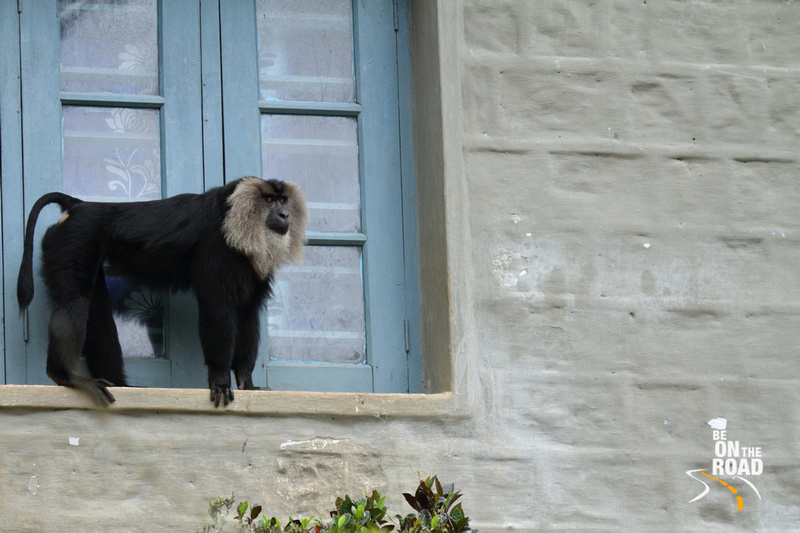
310, 471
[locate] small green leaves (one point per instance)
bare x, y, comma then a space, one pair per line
364, 515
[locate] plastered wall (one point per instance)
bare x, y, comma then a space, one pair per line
634, 189
610, 254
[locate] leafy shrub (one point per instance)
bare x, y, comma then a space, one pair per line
366, 514
435, 506
435, 509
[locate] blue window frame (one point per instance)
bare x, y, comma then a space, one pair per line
206, 91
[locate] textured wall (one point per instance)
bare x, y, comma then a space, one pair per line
620, 187
634, 189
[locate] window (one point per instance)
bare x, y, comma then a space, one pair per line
128, 100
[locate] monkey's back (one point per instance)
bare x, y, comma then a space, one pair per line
151, 241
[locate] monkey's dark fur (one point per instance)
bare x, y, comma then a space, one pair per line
225, 245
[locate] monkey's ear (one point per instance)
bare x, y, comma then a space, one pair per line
298, 216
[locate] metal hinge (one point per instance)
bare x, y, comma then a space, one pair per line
407, 335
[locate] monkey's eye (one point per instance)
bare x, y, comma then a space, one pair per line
282, 199
270, 199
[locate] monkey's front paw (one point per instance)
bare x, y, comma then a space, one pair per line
222, 393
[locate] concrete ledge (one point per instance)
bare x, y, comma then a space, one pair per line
264, 403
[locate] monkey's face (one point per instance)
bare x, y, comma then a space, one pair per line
277, 217
266, 221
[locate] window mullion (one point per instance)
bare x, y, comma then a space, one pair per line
382, 194
13, 371
211, 73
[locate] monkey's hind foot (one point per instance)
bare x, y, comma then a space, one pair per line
97, 388
247, 384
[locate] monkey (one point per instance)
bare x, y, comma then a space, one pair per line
224, 245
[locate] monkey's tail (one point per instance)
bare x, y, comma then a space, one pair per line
25, 278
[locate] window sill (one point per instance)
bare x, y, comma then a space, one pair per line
264, 403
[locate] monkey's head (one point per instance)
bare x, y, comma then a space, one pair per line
266, 221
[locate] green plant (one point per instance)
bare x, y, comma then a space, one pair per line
436, 508
245, 521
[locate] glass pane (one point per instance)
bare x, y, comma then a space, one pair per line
109, 46
305, 50
139, 315
317, 309
321, 155
113, 155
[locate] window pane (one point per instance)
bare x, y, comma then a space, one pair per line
109, 46
317, 310
321, 155
113, 154
305, 50
139, 315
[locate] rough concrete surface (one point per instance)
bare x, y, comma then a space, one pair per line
621, 207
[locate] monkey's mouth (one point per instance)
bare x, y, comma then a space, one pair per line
280, 229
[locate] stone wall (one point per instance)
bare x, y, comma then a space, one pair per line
615, 187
